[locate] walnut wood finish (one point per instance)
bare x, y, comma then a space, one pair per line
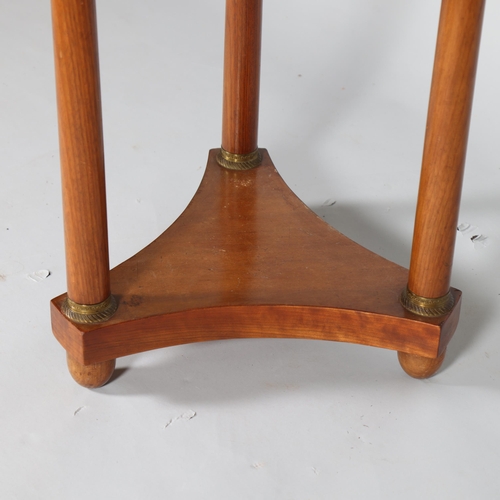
445, 147
92, 375
248, 259
419, 366
240, 113
81, 149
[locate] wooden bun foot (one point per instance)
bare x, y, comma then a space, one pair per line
419, 366
91, 376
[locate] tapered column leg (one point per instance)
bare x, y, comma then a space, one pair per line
443, 159
240, 114
82, 162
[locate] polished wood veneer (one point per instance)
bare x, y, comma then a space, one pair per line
248, 259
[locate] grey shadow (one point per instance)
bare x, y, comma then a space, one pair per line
118, 373
217, 372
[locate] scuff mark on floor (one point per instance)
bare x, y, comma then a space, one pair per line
472, 232
39, 276
78, 410
187, 415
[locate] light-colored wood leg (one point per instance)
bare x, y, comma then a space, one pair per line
81, 150
240, 113
419, 366
444, 151
89, 298
241, 75
91, 376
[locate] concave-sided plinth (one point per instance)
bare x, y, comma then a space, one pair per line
248, 259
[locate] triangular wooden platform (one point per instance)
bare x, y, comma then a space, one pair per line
248, 259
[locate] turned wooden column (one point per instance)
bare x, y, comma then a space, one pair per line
240, 114
89, 299
444, 150
81, 150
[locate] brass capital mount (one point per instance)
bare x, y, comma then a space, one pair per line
93, 313
234, 161
428, 307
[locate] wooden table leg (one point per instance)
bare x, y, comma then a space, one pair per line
443, 161
240, 114
82, 170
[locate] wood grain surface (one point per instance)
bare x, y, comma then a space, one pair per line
248, 259
240, 114
92, 375
445, 147
419, 366
81, 150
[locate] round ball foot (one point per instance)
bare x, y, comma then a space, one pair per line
91, 376
419, 366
